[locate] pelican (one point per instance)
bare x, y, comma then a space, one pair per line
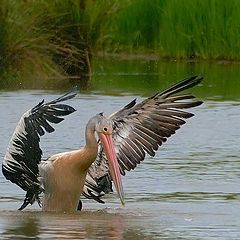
114, 145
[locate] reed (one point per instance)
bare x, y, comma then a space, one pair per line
136, 26
57, 39
80, 26
179, 28
200, 29
25, 46
50, 39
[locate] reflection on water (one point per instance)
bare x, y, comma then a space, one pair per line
24, 228
85, 225
145, 77
190, 190
221, 81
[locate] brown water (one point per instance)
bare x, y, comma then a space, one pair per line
190, 190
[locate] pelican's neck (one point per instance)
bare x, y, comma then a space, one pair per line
88, 154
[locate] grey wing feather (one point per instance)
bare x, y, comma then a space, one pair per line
23, 155
142, 128
98, 181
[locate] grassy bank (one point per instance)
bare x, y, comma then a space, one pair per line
180, 28
50, 39
57, 39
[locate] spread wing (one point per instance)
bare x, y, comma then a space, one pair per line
140, 129
23, 155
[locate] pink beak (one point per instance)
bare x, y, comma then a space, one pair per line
106, 140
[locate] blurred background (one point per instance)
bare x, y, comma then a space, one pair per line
105, 45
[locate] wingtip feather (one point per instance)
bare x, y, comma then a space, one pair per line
182, 85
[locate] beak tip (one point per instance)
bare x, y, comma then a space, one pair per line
122, 201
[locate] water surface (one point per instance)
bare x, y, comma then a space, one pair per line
189, 190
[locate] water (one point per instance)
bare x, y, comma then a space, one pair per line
189, 190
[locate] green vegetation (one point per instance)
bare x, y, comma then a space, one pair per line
145, 77
181, 28
50, 39
57, 39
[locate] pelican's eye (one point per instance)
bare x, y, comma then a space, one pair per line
105, 129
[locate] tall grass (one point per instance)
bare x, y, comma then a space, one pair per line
57, 38
78, 25
25, 49
180, 28
200, 29
137, 25
50, 38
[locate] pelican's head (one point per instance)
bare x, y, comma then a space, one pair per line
103, 125
104, 129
